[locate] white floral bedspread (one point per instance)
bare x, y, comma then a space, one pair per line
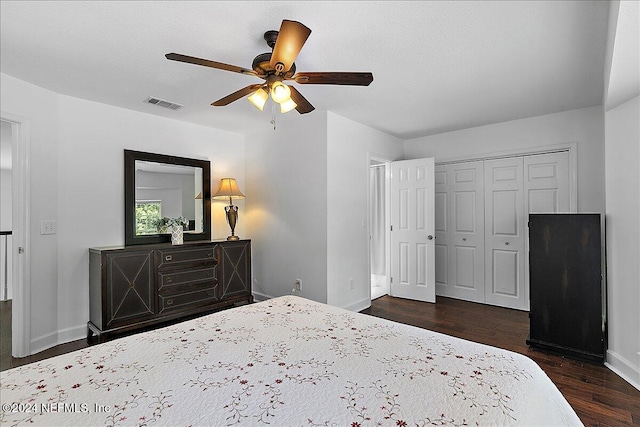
284, 362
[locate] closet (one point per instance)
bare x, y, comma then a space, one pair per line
481, 215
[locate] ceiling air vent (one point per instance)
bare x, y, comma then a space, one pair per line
162, 103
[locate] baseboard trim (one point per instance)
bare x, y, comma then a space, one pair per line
623, 368
43, 343
258, 296
358, 305
53, 339
72, 334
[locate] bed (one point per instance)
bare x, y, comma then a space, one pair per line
287, 361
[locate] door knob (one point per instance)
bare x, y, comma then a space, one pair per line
430, 237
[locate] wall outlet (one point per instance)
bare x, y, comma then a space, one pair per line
48, 226
298, 285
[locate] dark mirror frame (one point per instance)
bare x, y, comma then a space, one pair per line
130, 158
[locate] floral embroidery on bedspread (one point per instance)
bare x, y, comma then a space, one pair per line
286, 361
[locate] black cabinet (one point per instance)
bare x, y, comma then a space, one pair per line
566, 285
135, 287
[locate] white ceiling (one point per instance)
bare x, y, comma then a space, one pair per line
437, 66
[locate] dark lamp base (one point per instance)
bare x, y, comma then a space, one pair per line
233, 238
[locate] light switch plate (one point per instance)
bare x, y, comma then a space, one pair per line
48, 226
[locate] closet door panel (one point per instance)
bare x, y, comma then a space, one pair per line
461, 244
504, 233
467, 235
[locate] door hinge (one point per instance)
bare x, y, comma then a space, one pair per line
20, 250
391, 280
391, 228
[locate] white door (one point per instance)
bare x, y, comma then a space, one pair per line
546, 189
546, 183
466, 251
413, 230
504, 233
442, 216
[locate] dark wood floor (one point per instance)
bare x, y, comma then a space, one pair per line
599, 396
6, 361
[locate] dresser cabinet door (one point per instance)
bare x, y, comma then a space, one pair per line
235, 262
130, 290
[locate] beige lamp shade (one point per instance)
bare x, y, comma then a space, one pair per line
228, 190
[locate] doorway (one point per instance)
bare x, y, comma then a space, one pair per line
379, 227
6, 240
14, 156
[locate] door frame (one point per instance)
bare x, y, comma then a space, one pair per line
21, 191
570, 147
387, 213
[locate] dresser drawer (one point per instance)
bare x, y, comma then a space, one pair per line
184, 277
169, 258
196, 297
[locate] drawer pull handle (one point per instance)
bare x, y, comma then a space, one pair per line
168, 257
464, 239
169, 279
208, 253
169, 302
506, 243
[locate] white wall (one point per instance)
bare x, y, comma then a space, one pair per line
623, 238
77, 179
584, 126
286, 214
349, 145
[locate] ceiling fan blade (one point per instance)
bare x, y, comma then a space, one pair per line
291, 38
207, 63
329, 78
236, 95
303, 106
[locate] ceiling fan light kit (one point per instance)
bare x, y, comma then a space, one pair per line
278, 66
259, 98
280, 92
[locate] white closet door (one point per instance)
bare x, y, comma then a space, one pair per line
546, 189
460, 231
442, 215
412, 219
467, 231
504, 233
546, 183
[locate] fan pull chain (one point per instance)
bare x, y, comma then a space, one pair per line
273, 115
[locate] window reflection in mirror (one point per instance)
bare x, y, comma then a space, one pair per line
167, 191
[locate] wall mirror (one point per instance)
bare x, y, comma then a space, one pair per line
159, 188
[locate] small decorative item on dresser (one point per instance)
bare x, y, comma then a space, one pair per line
229, 190
173, 226
177, 235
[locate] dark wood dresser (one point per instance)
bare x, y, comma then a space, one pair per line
135, 287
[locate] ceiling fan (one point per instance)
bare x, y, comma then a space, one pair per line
275, 68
